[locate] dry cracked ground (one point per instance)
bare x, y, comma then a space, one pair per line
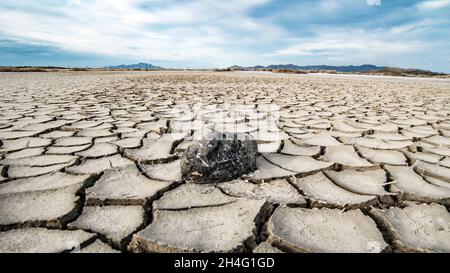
90, 162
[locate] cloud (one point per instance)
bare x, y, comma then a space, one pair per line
173, 31
433, 4
373, 2
73, 2
351, 45
213, 33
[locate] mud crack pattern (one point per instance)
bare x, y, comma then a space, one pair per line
90, 162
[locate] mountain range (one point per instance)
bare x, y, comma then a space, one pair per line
347, 68
135, 66
365, 69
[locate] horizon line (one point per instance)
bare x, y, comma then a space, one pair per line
222, 67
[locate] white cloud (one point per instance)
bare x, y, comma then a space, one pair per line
220, 33
329, 5
352, 46
73, 2
433, 4
373, 2
169, 31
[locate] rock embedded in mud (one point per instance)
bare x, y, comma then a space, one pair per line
219, 157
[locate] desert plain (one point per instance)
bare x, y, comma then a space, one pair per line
90, 162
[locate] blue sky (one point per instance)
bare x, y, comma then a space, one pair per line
217, 33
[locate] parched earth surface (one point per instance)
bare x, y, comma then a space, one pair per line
90, 162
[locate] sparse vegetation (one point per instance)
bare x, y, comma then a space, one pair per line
22, 69
284, 70
222, 69
401, 72
79, 69
294, 69
39, 69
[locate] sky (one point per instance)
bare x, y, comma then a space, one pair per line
221, 33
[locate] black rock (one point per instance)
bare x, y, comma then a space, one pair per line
219, 157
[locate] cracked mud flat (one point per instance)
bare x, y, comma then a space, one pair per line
90, 162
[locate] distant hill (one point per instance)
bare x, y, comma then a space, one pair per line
409, 72
135, 66
367, 69
237, 67
348, 68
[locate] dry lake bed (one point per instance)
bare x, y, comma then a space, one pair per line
90, 162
